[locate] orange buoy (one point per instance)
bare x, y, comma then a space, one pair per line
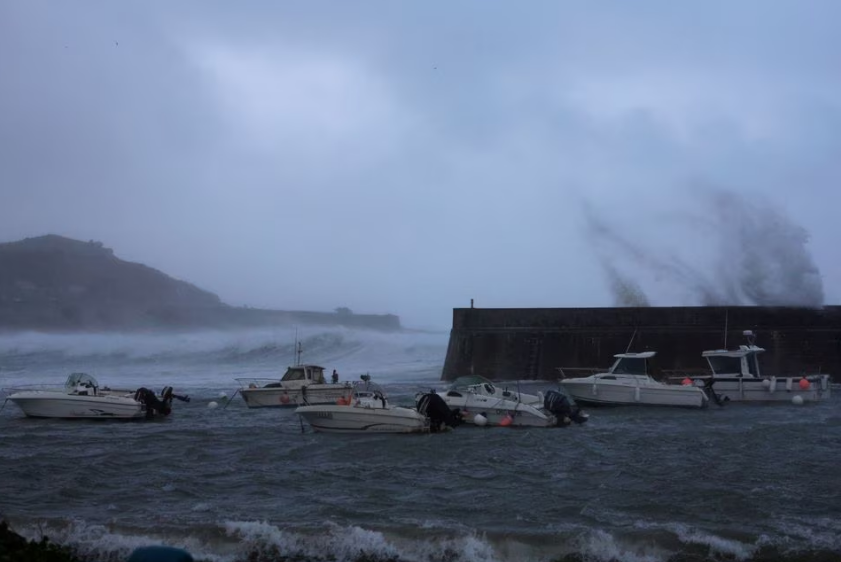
284, 398
506, 421
804, 384
686, 382
340, 401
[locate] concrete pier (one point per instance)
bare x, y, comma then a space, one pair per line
532, 343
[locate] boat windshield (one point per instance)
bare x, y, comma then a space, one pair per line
368, 389
80, 379
725, 365
312, 373
462, 383
294, 374
629, 366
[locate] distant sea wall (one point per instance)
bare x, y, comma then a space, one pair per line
237, 317
532, 343
66, 317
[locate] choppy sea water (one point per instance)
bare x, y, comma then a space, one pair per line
231, 483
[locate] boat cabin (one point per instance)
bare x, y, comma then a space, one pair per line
311, 374
742, 362
629, 364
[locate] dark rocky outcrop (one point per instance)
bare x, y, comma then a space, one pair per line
56, 283
15, 548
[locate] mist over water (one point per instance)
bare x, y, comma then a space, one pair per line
215, 357
757, 254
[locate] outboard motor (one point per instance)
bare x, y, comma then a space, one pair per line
712, 394
152, 403
439, 413
562, 408
162, 405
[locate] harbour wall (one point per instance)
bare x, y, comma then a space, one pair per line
533, 343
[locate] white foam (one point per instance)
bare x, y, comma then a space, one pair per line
716, 544
820, 532
601, 545
99, 542
344, 544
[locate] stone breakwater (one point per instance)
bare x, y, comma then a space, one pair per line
532, 343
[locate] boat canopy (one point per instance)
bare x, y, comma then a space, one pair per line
627, 364
641, 355
80, 379
741, 352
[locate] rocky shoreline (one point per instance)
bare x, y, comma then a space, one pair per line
15, 548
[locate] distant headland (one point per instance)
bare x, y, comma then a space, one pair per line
53, 283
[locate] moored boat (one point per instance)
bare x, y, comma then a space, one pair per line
366, 409
627, 382
83, 398
301, 385
735, 376
480, 402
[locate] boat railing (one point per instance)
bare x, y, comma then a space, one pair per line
578, 372
259, 381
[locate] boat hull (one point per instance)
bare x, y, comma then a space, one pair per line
630, 395
519, 418
42, 404
280, 397
772, 390
496, 411
351, 419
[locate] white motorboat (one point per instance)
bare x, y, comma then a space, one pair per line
478, 401
301, 385
366, 409
82, 397
480, 385
736, 376
627, 382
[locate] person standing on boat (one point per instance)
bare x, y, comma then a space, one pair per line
335, 377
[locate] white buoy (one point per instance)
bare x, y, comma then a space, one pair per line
766, 383
212, 405
480, 420
797, 400
223, 394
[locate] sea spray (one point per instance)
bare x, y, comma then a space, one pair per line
760, 257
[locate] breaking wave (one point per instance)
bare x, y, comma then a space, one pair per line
757, 254
249, 352
261, 541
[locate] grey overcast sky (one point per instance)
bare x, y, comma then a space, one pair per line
405, 157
